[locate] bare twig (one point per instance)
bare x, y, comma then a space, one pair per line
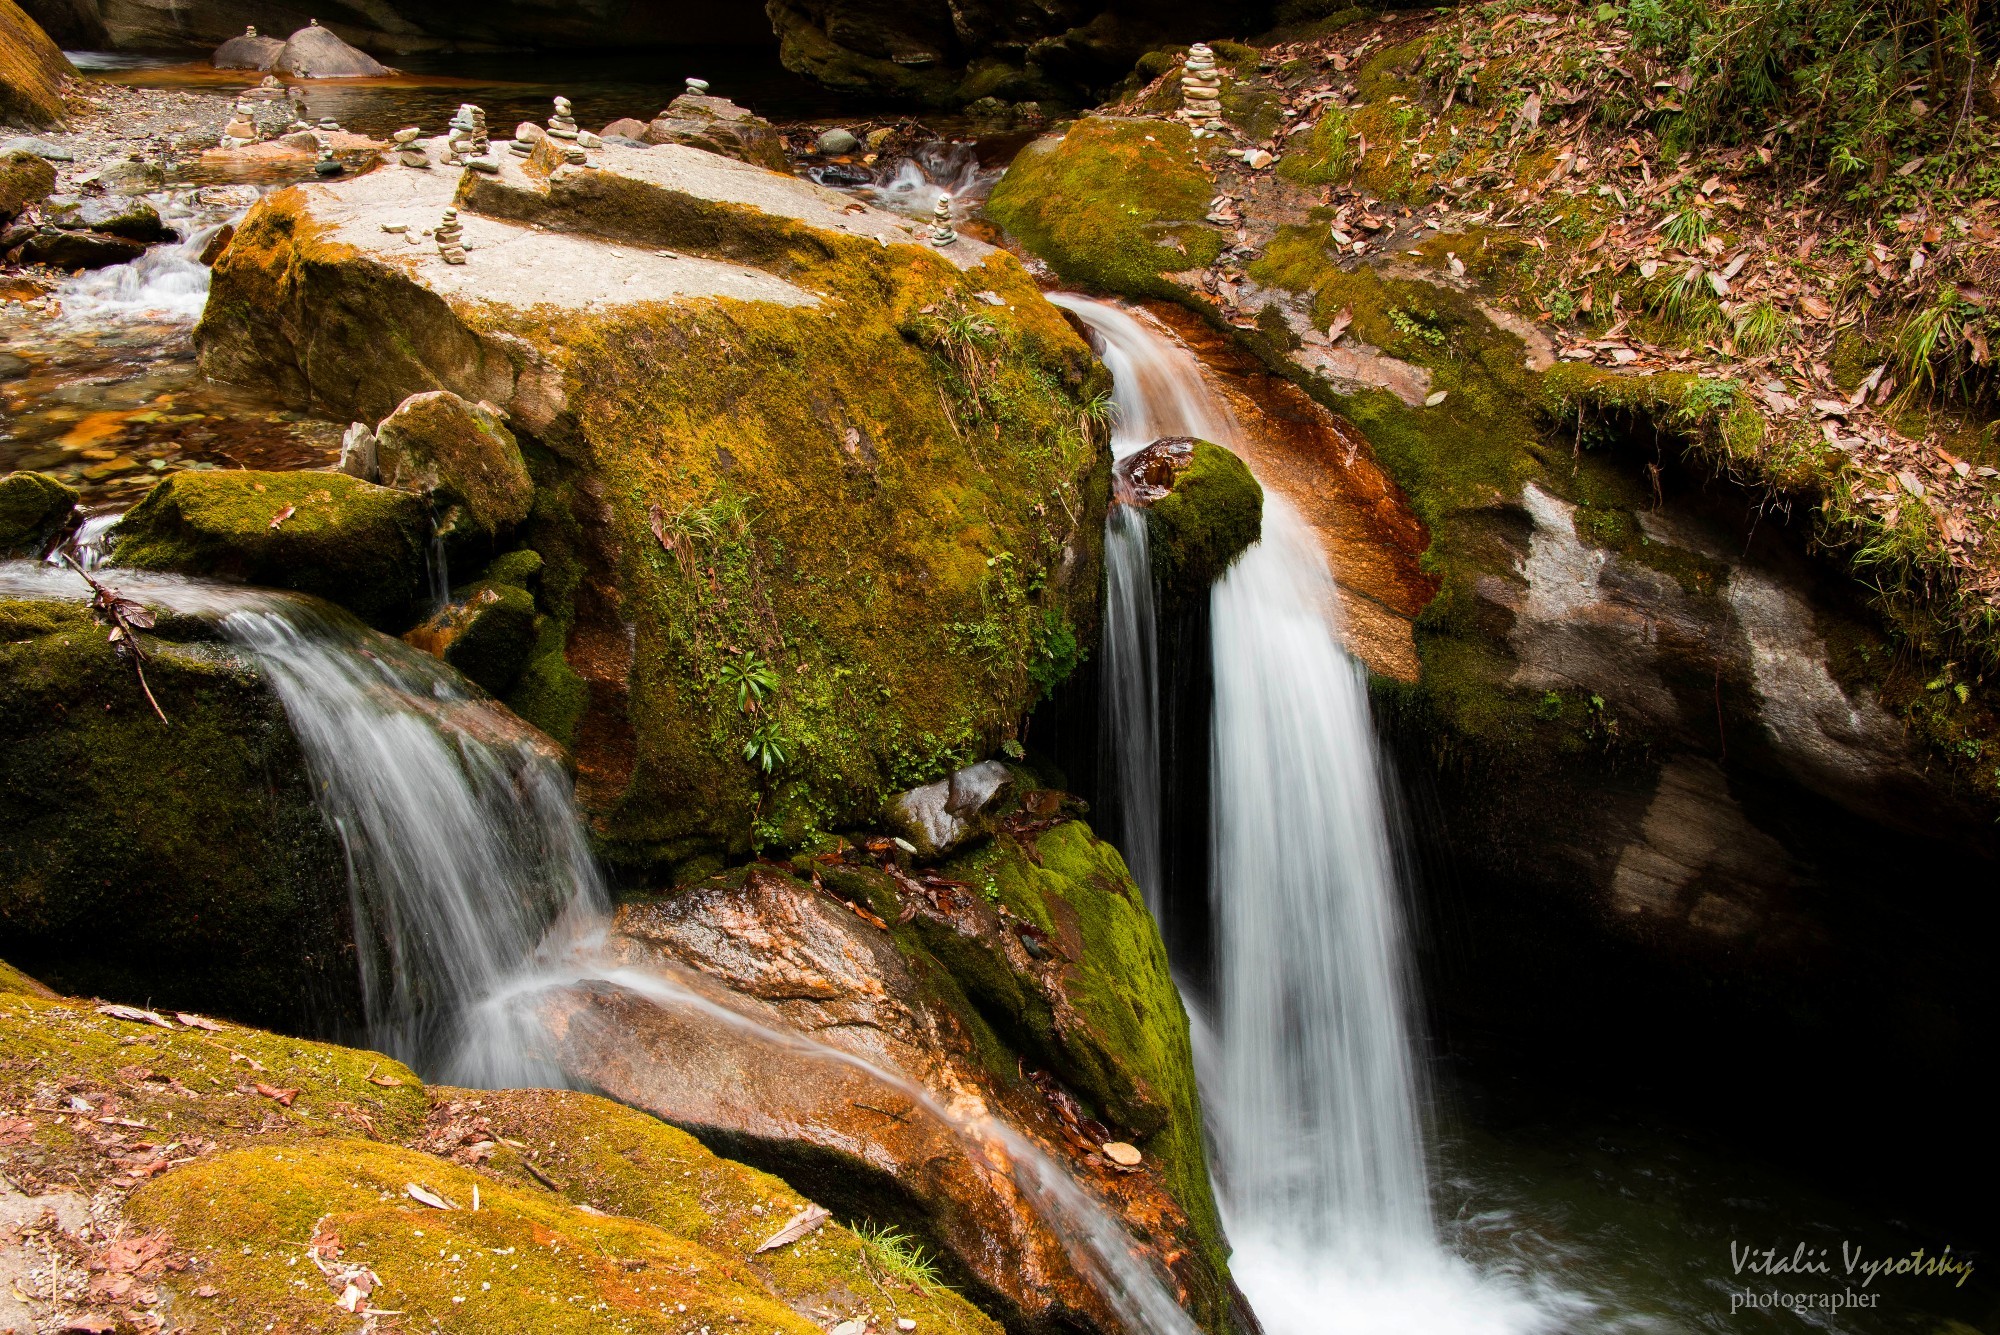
126, 619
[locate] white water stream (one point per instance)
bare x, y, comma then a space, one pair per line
1309, 1080
475, 892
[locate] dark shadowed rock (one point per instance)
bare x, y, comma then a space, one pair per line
314, 52
34, 507
73, 25
78, 250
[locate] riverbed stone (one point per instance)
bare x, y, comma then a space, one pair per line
464, 458
129, 217
1203, 510
66, 248
34, 508
348, 541
248, 51
837, 141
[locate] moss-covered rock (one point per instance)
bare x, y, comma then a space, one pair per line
182, 862
329, 534
850, 511
488, 632
34, 508
24, 179
296, 1160
1076, 974
32, 71
1112, 204
464, 458
1204, 508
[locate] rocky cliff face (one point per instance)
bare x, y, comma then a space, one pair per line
32, 71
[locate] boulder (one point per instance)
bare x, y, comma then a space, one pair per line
1037, 997
182, 863
62, 248
129, 217
248, 52
32, 72
1203, 509
718, 368
25, 180
463, 458
314, 52
626, 127
940, 817
34, 509
715, 124
45, 149
329, 534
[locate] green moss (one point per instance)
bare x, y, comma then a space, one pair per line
1325, 155
627, 1163
461, 456
329, 534
183, 862
894, 504
1214, 512
1112, 205
524, 1260
1120, 1039
33, 507
200, 1083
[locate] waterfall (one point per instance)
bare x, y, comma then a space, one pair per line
1310, 1086
475, 890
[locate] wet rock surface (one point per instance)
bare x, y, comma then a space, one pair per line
1203, 509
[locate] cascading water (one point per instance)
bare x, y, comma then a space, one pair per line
1309, 1081
475, 892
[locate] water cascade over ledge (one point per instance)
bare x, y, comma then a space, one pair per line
476, 895
1310, 1085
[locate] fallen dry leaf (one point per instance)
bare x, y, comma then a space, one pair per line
427, 1197
135, 1015
283, 515
198, 1022
802, 1224
283, 1097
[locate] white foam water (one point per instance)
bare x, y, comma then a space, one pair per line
167, 284
1309, 1081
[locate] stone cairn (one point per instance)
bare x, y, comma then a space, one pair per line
242, 127
467, 136
526, 135
450, 237
562, 125
328, 164
1201, 90
698, 87
408, 151
942, 233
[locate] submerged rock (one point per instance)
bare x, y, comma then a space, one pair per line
1203, 510
329, 534
183, 863
34, 509
740, 394
314, 52
713, 123
463, 458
